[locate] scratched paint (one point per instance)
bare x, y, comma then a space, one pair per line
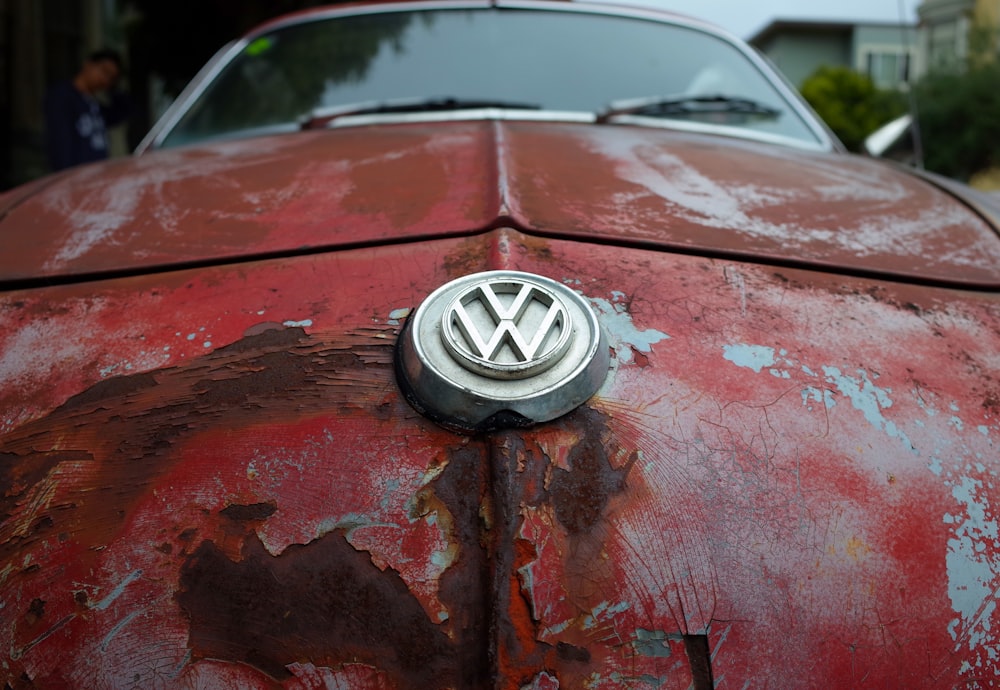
860, 390
786, 481
624, 338
245, 198
281, 194
972, 573
723, 496
678, 190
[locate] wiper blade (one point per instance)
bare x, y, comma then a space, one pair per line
322, 116
689, 106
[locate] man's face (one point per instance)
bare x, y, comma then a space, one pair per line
100, 75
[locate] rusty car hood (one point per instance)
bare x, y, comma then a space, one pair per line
350, 187
210, 479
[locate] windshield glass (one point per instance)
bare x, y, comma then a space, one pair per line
556, 60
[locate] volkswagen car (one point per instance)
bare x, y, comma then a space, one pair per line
517, 344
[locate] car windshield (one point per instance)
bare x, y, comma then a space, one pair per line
539, 60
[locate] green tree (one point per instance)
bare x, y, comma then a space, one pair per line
959, 115
850, 103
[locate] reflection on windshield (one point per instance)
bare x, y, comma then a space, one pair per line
564, 61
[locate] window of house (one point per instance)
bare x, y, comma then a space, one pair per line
888, 69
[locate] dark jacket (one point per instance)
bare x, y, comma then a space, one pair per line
76, 125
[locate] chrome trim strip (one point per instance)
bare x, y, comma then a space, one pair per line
722, 130
158, 132
460, 115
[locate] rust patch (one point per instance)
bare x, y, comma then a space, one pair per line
513, 633
120, 435
700, 657
462, 487
35, 611
991, 403
325, 602
578, 487
580, 494
114, 387
249, 513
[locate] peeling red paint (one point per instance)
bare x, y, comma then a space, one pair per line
247, 198
210, 477
666, 189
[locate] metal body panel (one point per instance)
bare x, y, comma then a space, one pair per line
211, 480
301, 192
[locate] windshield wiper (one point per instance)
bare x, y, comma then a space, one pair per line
322, 116
689, 106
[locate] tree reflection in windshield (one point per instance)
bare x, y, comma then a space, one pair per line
561, 60
283, 75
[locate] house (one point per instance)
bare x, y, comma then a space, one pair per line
885, 52
951, 31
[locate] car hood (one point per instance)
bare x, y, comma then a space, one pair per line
301, 193
785, 474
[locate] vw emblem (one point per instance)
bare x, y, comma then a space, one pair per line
501, 348
506, 328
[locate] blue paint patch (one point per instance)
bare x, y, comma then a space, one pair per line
397, 314
972, 573
935, 466
869, 399
824, 396
754, 357
305, 323
622, 333
654, 643
117, 591
601, 610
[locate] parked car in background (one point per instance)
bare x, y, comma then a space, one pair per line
514, 344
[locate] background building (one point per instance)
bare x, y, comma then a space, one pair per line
951, 31
43, 41
884, 52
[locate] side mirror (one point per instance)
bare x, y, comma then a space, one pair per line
892, 140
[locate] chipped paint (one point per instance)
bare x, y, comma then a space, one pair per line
396, 316
866, 216
117, 591
623, 336
974, 574
795, 464
280, 194
754, 357
869, 399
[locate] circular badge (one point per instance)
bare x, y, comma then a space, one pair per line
501, 348
507, 328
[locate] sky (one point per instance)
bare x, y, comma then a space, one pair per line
746, 17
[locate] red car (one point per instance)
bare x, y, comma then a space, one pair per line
511, 344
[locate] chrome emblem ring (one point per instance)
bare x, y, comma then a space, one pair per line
507, 328
501, 348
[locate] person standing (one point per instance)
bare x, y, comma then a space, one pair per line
76, 121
